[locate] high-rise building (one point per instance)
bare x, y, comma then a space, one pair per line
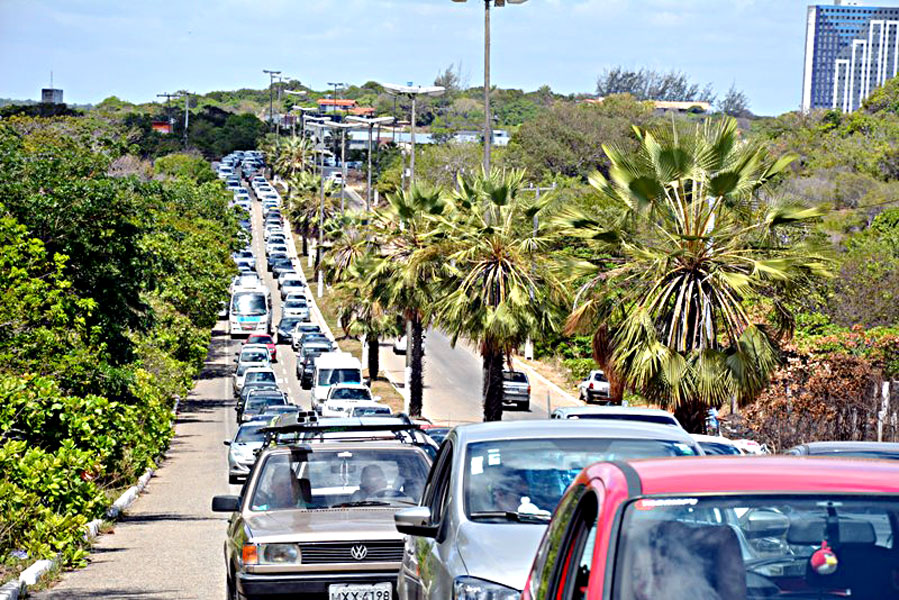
849, 51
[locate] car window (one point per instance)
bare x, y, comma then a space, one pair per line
546, 564
250, 433
351, 394
371, 411
599, 377
335, 376
340, 478
581, 540
717, 448
515, 377
440, 498
266, 376
530, 475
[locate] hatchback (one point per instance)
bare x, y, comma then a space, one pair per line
724, 528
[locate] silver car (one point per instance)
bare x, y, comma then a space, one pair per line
490, 495
242, 450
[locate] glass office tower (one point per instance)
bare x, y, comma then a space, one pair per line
849, 51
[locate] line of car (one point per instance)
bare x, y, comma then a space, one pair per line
597, 502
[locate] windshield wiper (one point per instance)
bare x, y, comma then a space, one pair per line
361, 503
509, 515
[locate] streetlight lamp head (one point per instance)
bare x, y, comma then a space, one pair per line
414, 90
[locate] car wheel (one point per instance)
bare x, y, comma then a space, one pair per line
234, 480
526, 406
581, 397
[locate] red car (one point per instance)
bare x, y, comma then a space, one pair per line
266, 340
724, 529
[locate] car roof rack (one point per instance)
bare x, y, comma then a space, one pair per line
306, 424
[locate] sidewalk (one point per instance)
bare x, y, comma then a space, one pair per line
169, 544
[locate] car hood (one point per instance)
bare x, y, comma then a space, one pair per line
324, 525
499, 552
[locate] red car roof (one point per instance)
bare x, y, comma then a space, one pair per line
765, 474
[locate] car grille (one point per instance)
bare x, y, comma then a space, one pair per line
342, 552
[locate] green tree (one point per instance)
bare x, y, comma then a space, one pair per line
500, 284
187, 166
704, 272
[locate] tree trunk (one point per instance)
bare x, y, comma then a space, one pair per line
692, 415
493, 384
305, 236
416, 385
374, 358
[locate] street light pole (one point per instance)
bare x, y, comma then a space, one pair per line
488, 121
413, 92
271, 97
371, 125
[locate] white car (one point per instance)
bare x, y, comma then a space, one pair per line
336, 177
242, 450
295, 307
594, 388
245, 281
261, 371
355, 408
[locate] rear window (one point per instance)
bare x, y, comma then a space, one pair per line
515, 377
599, 377
335, 376
266, 376
351, 394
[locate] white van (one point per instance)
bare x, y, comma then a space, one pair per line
332, 368
251, 311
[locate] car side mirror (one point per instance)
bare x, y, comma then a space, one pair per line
227, 442
415, 520
225, 503
762, 523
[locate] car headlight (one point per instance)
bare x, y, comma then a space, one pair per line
472, 588
277, 554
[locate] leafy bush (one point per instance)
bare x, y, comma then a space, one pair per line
579, 367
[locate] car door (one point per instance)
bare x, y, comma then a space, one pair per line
564, 563
418, 558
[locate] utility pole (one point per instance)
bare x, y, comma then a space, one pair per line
186, 96
529, 344
168, 108
271, 97
334, 97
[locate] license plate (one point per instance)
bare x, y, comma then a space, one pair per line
377, 591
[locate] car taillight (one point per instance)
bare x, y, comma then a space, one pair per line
529, 390
590, 387
250, 555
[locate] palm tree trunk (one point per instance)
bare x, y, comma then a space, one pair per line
692, 414
374, 358
493, 383
416, 384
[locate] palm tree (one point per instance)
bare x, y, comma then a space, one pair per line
704, 267
292, 155
304, 203
403, 275
502, 283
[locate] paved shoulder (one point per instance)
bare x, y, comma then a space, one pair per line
169, 545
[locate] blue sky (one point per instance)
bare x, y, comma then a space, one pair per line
135, 50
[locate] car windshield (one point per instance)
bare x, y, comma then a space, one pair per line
718, 448
371, 411
514, 377
335, 376
766, 546
267, 376
251, 304
296, 303
250, 433
254, 356
530, 475
288, 324
340, 478
351, 394
258, 403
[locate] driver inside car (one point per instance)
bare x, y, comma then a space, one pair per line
281, 490
371, 482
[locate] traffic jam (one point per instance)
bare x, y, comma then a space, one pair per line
336, 496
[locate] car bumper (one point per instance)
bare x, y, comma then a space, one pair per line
516, 398
306, 586
597, 395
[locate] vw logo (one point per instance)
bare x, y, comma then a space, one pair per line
359, 552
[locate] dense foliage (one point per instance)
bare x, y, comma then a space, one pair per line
110, 285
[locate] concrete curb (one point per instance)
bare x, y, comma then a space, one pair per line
27, 578
10, 591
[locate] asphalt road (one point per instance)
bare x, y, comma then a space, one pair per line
169, 543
